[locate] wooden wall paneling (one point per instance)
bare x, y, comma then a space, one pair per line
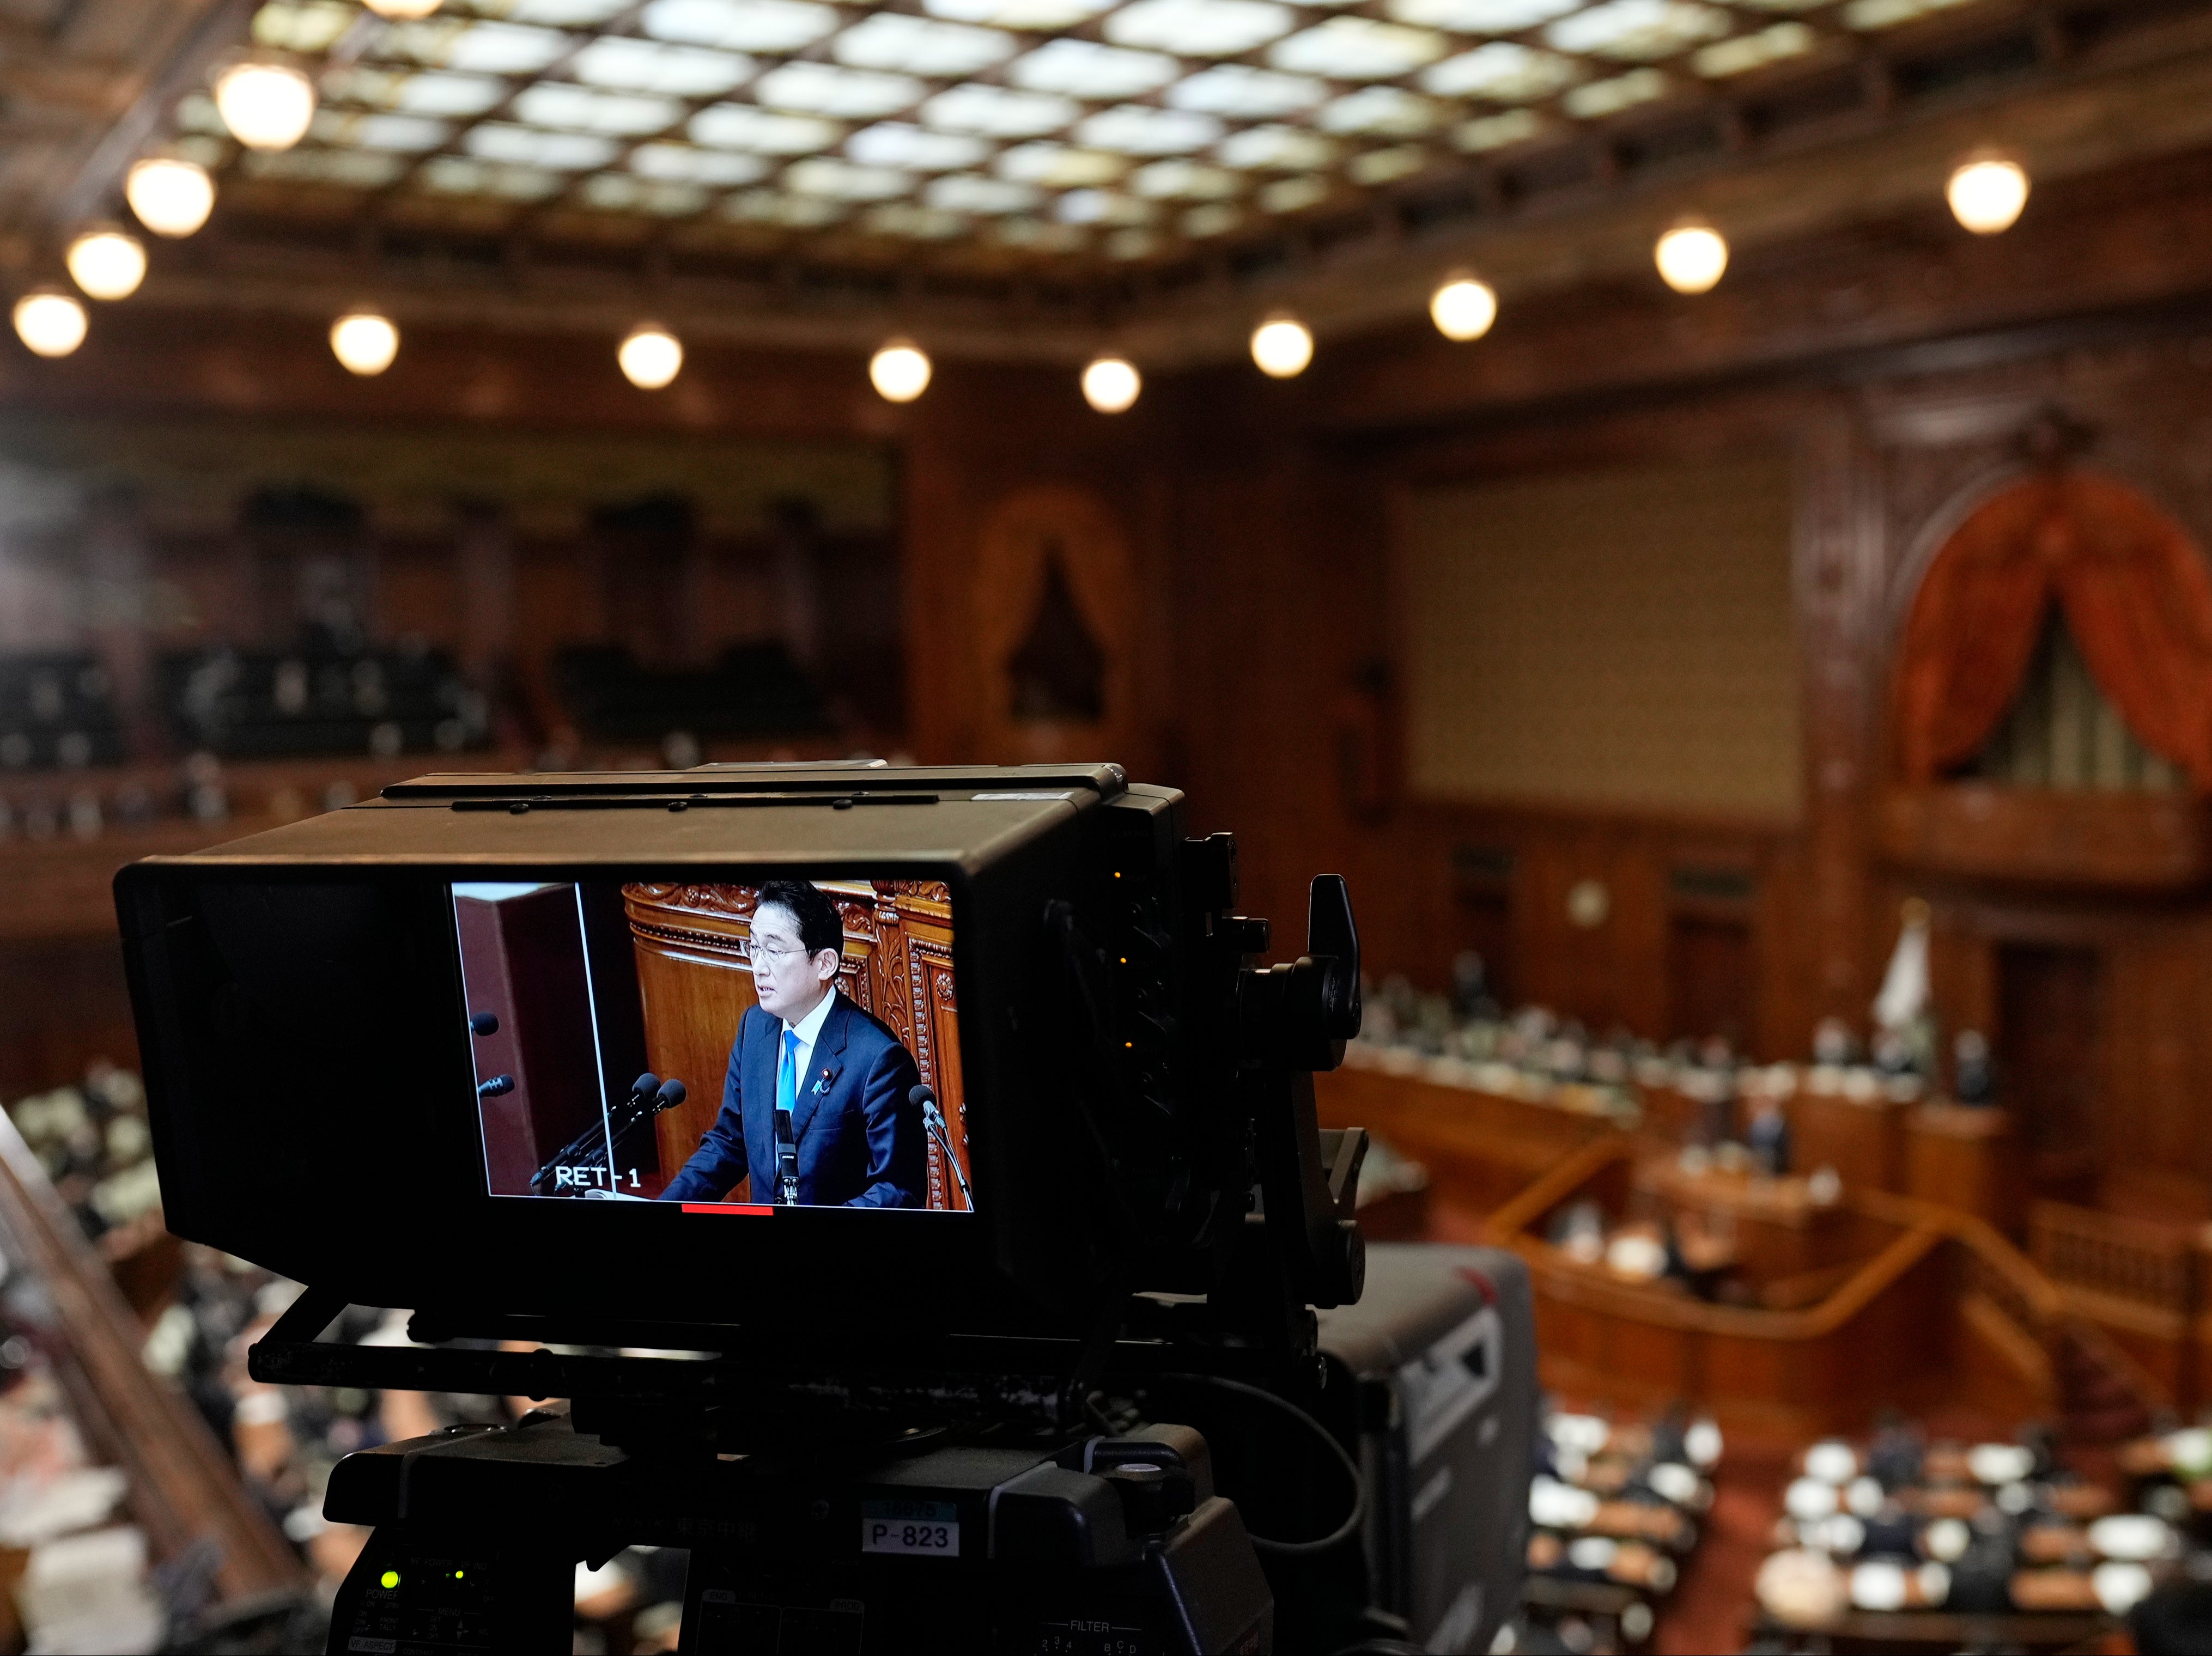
998, 458
1710, 977
557, 601
2157, 1055
63, 1005
695, 981
1039, 545
422, 592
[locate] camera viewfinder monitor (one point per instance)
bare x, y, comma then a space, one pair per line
803, 1048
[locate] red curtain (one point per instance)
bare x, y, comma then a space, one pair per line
2137, 595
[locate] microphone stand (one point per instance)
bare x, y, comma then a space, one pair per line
934, 1119
590, 1149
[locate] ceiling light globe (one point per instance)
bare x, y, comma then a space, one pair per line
899, 371
1282, 347
170, 198
1110, 384
651, 356
107, 263
1464, 308
266, 105
1691, 257
364, 343
403, 11
1986, 196
49, 321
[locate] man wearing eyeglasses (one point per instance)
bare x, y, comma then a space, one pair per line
814, 1108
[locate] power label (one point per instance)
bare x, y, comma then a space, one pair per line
928, 1529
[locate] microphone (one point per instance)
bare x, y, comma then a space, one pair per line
594, 1147
496, 1086
484, 1023
934, 1119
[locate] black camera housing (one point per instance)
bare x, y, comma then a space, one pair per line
1132, 1078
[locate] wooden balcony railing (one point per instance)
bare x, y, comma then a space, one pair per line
2149, 1264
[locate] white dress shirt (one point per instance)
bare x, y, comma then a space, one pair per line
808, 1030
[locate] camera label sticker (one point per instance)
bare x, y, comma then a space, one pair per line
929, 1529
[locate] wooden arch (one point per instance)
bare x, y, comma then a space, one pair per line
1030, 535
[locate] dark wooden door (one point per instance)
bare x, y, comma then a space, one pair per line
2049, 1035
1709, 979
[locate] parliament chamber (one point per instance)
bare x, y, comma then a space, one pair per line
1697, 509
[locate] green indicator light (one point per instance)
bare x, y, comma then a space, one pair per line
390, 1578
460, 1576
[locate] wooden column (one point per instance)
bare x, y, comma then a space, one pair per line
116, 578
483, 542
1840, 582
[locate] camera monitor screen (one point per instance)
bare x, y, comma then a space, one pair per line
730, 1048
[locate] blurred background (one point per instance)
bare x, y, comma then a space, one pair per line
1696, 506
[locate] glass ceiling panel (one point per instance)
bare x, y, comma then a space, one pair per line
895, 144
992, 111
426, 93
1240, 93
1359, 49
1084, 69
550, 104
1140, 130
1115, 127
740, 25
1045, 15
1503, 72
567, 13
743, 126
855, 95
681, 163
487, 48
1638, 30
964, 193
629, 65
1200, 29
943, 51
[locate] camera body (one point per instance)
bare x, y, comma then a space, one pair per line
1129, 1078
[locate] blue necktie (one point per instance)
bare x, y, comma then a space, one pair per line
786, 1136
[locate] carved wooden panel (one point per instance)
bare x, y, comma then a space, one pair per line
694, 945
1046, 546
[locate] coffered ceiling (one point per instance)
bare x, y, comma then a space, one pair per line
1029, 174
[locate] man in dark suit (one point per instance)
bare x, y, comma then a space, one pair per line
814, 1108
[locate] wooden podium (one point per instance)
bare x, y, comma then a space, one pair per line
1965, 1157
1863, 1139
694, 945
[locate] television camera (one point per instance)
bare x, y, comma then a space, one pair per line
928, 1419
